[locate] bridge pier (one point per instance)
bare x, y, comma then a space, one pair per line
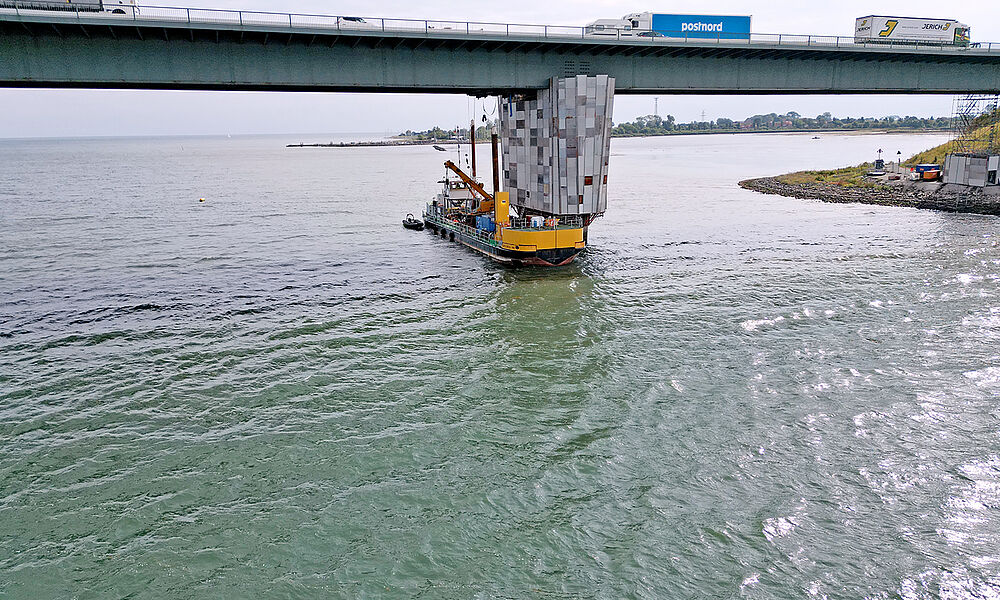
556, 146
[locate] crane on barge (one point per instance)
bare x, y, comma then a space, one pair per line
465, 212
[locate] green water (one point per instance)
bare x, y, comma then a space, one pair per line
281, 393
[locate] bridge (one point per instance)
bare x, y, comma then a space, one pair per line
200, 49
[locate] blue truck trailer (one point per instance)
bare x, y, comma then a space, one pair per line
648, 24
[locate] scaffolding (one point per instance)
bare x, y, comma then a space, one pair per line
976, 124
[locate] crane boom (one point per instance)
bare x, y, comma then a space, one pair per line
472, 183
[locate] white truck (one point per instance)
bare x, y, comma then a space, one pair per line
627, 26
875, 29
117, 7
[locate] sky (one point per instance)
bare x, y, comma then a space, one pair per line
41, 113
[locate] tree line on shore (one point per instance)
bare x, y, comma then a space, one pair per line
651, 125
656, 125
436, 133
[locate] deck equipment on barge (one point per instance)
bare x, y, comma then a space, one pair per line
465, 212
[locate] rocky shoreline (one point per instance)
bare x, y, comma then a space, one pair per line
948, 198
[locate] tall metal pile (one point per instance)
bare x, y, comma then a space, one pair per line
976, 124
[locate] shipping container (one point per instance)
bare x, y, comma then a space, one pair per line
725, 27
887, 30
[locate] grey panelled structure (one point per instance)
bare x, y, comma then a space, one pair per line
556, 146
154, 50
976, 170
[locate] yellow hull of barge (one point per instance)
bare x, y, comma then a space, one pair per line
531, 240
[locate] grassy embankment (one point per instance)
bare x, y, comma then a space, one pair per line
855, 176
846, 177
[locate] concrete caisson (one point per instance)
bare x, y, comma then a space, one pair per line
556, 146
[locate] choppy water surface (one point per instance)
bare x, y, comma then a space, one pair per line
282, 393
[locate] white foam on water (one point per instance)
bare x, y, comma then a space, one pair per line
815, 590
992, 321
985, 377
750, 580
755, 324
779, 527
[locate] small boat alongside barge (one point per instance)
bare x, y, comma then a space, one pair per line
411, 223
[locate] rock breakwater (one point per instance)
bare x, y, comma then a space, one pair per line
942, 198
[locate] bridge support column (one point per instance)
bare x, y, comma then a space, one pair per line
556, 146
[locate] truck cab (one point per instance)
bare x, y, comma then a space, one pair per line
963, 34
120, 7
640, 21
608, 28
630, 25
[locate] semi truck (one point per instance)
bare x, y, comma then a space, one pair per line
875, 29
117, 7
647, 24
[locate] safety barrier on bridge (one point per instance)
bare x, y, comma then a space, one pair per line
374, 25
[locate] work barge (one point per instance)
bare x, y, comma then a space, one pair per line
556, 145
464, 212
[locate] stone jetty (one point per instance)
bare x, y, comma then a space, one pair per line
933, 196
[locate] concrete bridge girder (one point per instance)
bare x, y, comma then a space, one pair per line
176, 56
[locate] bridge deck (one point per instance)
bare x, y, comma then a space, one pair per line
178, 48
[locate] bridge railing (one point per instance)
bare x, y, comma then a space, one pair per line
373, 25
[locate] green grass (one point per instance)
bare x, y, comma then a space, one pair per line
933, 156
845, 177
977, 136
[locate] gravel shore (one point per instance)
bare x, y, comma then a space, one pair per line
948, 198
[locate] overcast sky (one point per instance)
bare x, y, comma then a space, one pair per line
30, 113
